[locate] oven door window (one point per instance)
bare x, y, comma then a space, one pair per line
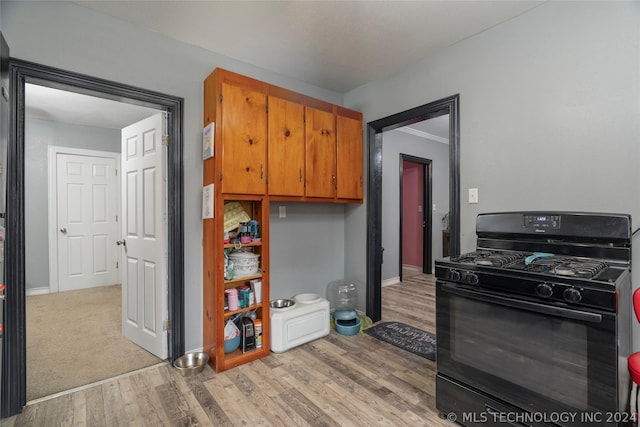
527, 354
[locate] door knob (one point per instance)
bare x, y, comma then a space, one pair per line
121, 242
63, 230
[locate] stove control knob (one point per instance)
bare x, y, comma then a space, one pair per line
572, 295
544, 290
472, 279
454, 275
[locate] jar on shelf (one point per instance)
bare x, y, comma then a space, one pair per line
245, 234
254, 230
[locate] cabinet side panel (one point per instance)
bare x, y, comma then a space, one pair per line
349, 158
209, 313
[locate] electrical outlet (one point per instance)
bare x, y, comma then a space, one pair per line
473, 195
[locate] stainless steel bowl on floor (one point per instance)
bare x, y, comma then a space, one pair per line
191, 363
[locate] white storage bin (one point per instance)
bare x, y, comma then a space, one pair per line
306, 320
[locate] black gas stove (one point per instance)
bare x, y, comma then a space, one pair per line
578, 265
535, 321
571, 280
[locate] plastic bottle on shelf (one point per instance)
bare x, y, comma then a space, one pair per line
257, 325
232, 298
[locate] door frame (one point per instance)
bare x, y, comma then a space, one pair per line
375, 129
13, 391
427, 202
52, 154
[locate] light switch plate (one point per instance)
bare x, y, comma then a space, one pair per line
282, 211
473, 195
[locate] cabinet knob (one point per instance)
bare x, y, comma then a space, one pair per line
287, 133
250, 141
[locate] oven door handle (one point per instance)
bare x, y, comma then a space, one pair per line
583, 316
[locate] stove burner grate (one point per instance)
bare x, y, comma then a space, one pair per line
563, 266
489, 258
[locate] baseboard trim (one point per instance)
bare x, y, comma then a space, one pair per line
412, 267
36, 291
391, 281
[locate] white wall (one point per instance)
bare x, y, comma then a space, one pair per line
71, 37
395, 143
39, 135
549, 113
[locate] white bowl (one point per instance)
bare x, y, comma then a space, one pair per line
307, 298
244, 263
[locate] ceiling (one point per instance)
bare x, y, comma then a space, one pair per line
336, 45
56, 105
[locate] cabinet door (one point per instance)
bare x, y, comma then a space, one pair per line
244, 140
349, 158
320, 153
286, 148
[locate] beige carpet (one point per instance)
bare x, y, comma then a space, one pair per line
75, 338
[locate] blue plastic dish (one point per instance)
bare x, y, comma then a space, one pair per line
348, 327
345, 314
231, 344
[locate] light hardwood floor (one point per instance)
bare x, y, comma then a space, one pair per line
334, 381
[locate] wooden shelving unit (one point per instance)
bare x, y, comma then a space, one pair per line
215, 314
258, 128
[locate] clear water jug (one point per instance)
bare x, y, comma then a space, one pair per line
342, 295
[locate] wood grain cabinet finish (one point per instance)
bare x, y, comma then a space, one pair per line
238, 107
286, 148
244, 140
349, 158
320, 153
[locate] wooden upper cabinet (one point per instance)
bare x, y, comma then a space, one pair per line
320, 153
286, 148
244, 140
349, 158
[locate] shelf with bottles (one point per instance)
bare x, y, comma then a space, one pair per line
221, 238
245, 297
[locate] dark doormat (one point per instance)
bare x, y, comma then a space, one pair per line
406, 337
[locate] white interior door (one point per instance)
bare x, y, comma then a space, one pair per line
86, 209
144, 265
